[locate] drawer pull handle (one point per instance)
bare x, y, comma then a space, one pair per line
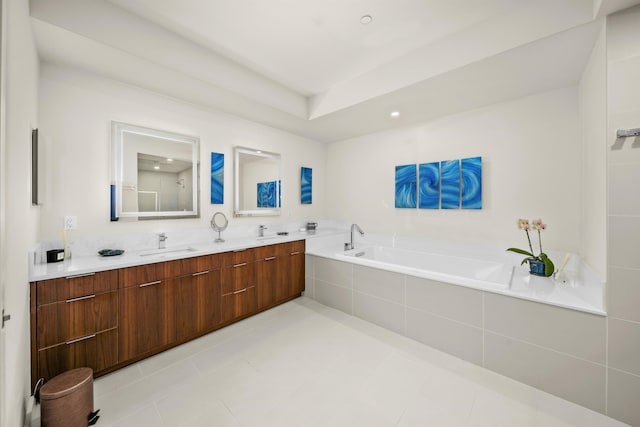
271, 258
239, 265
80, 339
80, 298
80, 275
157, 282
200, 273
294, 253
240, 291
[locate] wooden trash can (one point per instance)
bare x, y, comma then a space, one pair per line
67, 399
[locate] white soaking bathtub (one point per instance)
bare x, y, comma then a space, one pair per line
478, 266
470, 272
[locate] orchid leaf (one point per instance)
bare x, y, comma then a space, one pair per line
548, 265
520, 251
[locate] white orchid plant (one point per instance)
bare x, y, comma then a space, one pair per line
539, 226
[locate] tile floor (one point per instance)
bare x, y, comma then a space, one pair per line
304, 364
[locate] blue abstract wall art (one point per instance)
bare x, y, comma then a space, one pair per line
429, 185
217, 178
471, 184
450, 181
269, 194
406, 186
305, 185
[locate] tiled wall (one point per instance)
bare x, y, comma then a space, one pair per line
556, 350
623, 285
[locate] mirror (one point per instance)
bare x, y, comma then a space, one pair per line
219, 223
155, 173
256, 186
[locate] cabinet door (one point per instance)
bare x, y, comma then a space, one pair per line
197, 304
296, 269
96, 351
147, 318
271, 280
239, 304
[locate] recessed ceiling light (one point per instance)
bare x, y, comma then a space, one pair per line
169, 160
366, 19
395, 114
156, 165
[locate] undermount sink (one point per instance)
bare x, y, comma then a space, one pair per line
167, 251
271, 237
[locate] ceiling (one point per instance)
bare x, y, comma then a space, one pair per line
310, 67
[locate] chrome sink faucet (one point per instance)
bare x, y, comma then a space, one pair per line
162, 240
261, 229
354, 227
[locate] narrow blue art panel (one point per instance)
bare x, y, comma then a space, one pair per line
471, 183
305, 185
269, 194
429, 193
450, 182
406, 186
217, 178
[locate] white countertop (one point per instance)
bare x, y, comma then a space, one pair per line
78, 265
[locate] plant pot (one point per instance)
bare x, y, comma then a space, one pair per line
536, 267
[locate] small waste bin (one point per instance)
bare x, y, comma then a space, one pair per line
67, 399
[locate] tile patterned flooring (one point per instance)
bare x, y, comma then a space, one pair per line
304, 364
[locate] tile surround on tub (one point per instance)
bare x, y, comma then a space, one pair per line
623, 391
624, 345
382, 312
379, 283
623, 293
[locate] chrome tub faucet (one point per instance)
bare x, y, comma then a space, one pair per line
354, 227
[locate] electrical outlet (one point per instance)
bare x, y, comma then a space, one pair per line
71, 222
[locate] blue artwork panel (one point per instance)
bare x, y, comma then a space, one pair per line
269, 194
471, 183
217, 178
429, 189
450, 184
406, 186
305, 185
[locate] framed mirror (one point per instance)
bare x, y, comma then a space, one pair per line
155, 173
256, 183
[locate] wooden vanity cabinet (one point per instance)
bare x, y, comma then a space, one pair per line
238, 284
109, 319
74, 322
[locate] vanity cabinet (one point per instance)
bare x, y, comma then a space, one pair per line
74, 322
106, 320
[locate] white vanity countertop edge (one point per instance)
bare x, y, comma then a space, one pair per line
76, 266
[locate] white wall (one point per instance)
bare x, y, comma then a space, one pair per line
531, 168
76, 110
21, 219
592, 93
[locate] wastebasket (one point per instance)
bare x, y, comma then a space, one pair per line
67, 399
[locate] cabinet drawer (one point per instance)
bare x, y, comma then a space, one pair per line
99, 352
270, 251
238, 276
134, 276
64, 288
237, 257
239, 304
76, 317
297, 246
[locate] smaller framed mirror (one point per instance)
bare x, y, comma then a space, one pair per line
256, 185
155, 173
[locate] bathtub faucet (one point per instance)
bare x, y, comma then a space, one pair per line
354, 227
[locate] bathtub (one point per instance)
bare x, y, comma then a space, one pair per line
479, 266
471, 272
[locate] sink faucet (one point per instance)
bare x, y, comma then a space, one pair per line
261, 229
354, 227
162, 240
